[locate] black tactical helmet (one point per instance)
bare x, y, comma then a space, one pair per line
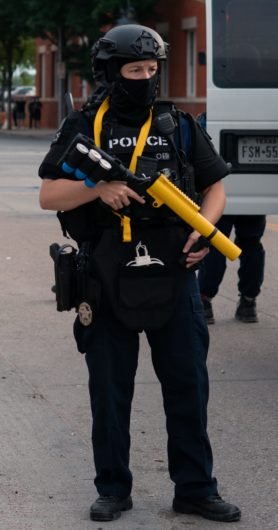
132, 42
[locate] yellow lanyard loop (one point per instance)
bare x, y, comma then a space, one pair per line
98, 121
125, 224
142, 138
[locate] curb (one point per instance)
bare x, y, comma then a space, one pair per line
39, 134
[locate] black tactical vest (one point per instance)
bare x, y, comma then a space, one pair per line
140, 278
87, 221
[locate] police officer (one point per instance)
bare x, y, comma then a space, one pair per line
142, 282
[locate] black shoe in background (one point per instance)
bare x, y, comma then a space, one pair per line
208, 311
246, 310
213, 508
109, 508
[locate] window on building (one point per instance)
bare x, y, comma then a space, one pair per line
191, 64
42, 75
53, 88
164, 79
39, 75
163, 29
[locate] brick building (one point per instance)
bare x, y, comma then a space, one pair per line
183, 79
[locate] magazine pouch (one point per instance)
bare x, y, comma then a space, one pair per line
64, 258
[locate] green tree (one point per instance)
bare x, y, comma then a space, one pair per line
74, 26
65, 20
28, 55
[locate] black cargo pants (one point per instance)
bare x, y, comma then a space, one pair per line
179, 352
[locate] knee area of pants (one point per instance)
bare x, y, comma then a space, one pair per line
250, 243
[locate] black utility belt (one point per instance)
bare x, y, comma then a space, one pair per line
155, 222
145, 222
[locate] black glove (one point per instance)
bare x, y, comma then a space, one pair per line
201, 243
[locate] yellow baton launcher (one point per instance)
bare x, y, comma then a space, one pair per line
77, 158
164, 192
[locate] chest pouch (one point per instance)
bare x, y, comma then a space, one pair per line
145, 293
141, 279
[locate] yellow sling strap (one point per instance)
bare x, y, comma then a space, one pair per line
98, 121
142, 138
143, 135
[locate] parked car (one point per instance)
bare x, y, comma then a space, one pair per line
24, 91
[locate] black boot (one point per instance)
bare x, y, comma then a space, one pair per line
212, 507
208, 311
246, 310
109, 508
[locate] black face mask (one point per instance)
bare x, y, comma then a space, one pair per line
131, 99
141, 92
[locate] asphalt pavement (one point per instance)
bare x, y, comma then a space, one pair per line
46, 473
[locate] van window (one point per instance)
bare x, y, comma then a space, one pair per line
245, 54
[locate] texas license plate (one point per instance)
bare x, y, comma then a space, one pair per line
258, 150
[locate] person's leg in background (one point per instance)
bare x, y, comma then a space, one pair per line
249, 231
212, 270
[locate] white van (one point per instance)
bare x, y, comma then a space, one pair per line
242, 99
